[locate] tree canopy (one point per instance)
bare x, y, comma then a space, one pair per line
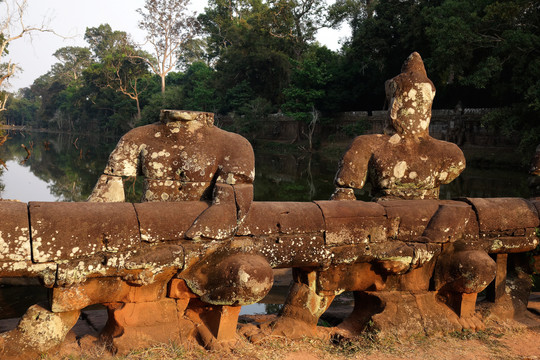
241, 56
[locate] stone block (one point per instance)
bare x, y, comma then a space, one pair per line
494, 214
63, 231
271, 218
165, 221
14, 234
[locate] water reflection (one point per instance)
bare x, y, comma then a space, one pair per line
64, 167
21, 184
60, 167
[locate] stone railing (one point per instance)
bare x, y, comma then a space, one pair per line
430, 258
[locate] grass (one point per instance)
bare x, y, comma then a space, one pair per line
464, 344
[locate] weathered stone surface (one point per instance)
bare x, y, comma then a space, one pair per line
215, 324
497, 243
14, 233
230, 279
165, 221
44, 271
493, 214
108, 290
271, 218
175, 271
39, 330
354, 222
305, 306
355, 277
413, 216
139, 266
286, 250
138, 325
63, 231
408, 164
453, 221
417, 279
464, 270
404, 313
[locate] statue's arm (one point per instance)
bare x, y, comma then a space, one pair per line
454, 164
232, 194
124, 161
353, 170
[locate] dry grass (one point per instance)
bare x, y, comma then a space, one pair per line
504, 343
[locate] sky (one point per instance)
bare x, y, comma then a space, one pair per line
70, 18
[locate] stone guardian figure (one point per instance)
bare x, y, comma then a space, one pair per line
184, 157
407, 163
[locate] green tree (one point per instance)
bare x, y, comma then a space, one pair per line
245, 51
72, 61
488, 53
306, 92
121, 65
380, 43
299, 21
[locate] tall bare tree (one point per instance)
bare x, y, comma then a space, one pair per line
12, 27
169, 28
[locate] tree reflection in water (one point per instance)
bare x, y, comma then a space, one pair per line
71, 164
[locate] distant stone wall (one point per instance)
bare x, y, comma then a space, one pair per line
460, 127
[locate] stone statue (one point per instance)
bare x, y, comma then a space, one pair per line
185, 158
407, 163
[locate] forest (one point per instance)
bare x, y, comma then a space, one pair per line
252, 58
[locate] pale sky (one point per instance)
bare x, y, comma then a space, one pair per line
70, 18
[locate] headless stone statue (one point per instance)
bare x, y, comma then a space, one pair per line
185, 158
408, 164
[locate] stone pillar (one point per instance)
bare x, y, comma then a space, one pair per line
136, 325
302, 308
498, 287
464, 304
215, 324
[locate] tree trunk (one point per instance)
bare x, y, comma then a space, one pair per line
139, 107
162, 84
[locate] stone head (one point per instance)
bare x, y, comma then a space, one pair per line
168, 116
410, 96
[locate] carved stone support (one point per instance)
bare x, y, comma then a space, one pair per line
38, 331
136, 325
498, 288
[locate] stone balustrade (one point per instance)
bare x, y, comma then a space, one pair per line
134, 258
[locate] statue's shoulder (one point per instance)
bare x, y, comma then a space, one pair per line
144, 131
229, 139
368, 142
447, 148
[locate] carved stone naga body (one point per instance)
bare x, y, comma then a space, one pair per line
180, 265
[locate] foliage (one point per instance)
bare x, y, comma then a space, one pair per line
255, 56
250, 115
169, 30
307, 88
121, 66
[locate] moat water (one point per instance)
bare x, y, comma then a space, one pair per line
65, 167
